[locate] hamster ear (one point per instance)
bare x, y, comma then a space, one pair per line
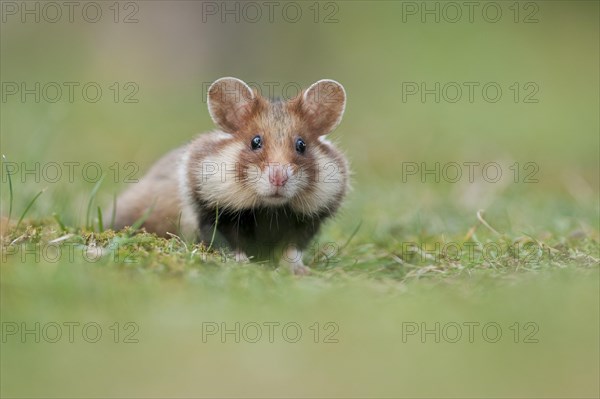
230, 102
323, 105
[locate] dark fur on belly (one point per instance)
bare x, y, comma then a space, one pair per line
261, 233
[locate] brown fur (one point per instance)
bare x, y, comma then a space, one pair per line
156, 191
179, 187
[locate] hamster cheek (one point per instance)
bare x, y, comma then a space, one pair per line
297, 180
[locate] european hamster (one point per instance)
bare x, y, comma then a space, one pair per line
266, 179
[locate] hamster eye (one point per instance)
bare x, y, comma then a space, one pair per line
256, 142
300, 146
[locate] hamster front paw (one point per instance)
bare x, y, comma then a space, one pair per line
293, 258
300, 269
241, 257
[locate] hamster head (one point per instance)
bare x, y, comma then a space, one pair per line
274, 153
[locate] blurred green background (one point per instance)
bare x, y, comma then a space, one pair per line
376, 49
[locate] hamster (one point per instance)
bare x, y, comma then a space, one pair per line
261, 184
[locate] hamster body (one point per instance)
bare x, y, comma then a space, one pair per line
267, 179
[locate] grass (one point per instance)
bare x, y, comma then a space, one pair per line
171, 290
10, 192
481, 249
88, 213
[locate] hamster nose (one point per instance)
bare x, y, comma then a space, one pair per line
278, 176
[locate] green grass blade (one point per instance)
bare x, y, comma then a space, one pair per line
215, 229
60, 223
28, 206
100, 222
114, 212
88, 212
351, 236
10, 192
179, 224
